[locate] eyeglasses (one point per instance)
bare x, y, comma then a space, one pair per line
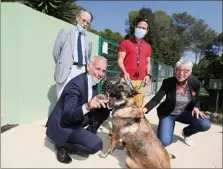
183, 70
85, 21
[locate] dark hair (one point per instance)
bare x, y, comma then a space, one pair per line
142, 19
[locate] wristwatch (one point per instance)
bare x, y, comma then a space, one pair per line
150, 76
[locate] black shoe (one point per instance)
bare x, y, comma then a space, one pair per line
62, 155
82, 154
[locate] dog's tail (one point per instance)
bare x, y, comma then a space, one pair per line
171, 156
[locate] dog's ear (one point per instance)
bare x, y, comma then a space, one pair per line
121, 88
109, 83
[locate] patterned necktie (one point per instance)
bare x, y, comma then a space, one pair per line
79, 50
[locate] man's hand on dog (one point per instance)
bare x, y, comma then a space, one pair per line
97, 102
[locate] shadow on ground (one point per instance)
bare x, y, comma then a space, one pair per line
121, 155
52, 97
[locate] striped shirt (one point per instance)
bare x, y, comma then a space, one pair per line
181, 102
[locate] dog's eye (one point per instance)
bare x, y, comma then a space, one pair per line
121, 88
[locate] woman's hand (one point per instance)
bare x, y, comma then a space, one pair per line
196, 112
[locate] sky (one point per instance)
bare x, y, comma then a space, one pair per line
112, 14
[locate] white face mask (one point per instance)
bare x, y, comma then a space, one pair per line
94, 81
80, 28
140, 33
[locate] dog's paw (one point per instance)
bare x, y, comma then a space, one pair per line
103, 155
120, 147
144, 110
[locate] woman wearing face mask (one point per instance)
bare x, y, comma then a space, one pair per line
181, 104
134, 60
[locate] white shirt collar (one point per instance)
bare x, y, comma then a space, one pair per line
90, 80
77, 31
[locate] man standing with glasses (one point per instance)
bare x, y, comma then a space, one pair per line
134, 60
72, 51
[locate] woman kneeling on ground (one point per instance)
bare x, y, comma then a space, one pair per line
181, 104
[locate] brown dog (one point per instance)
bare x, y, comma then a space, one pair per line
131, 127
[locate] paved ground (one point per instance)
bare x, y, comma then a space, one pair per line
26, 146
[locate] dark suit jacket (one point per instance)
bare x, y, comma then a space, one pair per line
168, 88
68, 113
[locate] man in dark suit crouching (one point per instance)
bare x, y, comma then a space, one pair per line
79, 107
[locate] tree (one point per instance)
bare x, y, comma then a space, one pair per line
108, 34
112, 36
181, 22
61, 9
211, 66
199, 36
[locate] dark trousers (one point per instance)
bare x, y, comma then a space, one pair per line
86, 140
166, 126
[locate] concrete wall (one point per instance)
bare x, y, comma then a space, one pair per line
27, 66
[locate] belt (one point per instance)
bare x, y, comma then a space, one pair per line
76, 63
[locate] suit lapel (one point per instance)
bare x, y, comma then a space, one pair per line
86, 87
95, 90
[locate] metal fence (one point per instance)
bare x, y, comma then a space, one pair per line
159, 71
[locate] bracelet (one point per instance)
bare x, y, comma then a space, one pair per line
150, 76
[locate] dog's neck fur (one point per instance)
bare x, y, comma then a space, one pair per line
123, 103
120, 103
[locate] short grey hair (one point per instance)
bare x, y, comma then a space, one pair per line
84, 10
184, 62
92, 59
